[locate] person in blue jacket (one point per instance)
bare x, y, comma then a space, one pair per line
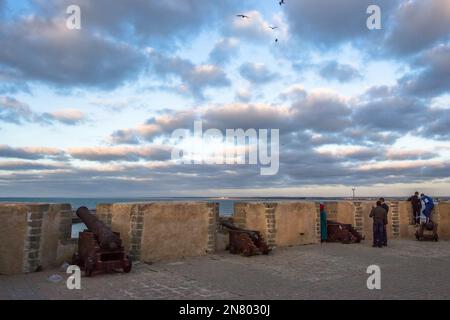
429, 205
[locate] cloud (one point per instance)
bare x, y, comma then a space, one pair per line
194, 78
349, 152
390, 113
228, 116
224, 50
124, 136
326, 24
393, 166
166, 23
256, 73
326, 137
429, 19
66, 58
410, 154
11, 82
161, 125
17, 112
29, 165
14, 111
243, 95
322, 111
31, 153
294, 92
437, 124
106, 154
430, 76
67, 116
340, 72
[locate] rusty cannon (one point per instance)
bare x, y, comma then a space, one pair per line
100, 249
341, 232
246, 242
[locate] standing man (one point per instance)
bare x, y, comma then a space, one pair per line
379, 216
416, 207
385, 207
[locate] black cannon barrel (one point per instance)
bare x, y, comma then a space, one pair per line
106, 238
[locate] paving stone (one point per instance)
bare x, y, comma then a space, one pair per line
322, 271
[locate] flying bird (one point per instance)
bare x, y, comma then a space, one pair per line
276, 40
281, 2
273, 28
242, 16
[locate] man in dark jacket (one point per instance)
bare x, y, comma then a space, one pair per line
385, 207
379, 215
416, 207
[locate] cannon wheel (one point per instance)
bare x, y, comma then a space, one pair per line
127, 265
88, 271
264, 248
76, 259
89, 266
249, 247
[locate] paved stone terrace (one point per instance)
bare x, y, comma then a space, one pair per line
410, 270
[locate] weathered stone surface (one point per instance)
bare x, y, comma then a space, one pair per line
30, 236
328, 271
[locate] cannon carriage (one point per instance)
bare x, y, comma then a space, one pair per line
247, 242
100, 250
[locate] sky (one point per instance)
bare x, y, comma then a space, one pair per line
91, 112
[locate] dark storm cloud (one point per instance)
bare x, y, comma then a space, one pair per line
341, 72
256, 73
